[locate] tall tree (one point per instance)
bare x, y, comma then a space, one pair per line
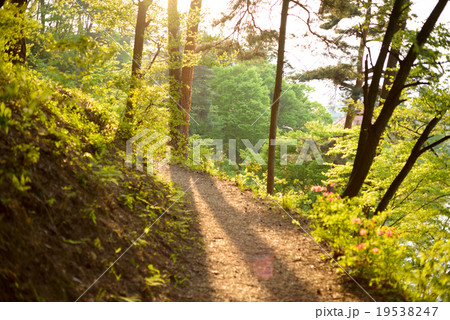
176, 111
42, 13
348, 75
139, 37
250, 40
371, 132
238, 94
394, 54
356, 90
187, 72
276, 97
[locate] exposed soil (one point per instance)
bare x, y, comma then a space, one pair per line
54, 252
252, 251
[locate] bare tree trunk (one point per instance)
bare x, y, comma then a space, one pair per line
276, 98
176, 111
187, 72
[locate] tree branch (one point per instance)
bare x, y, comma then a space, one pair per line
413, 84
154, 57
434, 144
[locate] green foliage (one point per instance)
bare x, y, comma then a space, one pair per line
215, 90
5, 116
240, 98
388, 256
236, 105
418, 212
65, 106
341, 75
202, 100
21, 183
58, 167
154, 278
429, 278
363, 246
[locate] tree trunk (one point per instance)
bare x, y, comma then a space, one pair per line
416, 152
187, 72
42, 13
176, 111
276, 98
17, 48
394, 55
370, 134
141, 25
360, 169
356, 92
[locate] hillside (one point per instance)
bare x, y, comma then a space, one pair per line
69, 208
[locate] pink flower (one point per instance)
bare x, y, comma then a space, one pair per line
388, 233
332, 184
331, 196
356, 220
380, 232
318, 188
363, 232
361, 246
376, 250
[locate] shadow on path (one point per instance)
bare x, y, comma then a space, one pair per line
197, 286
237, 222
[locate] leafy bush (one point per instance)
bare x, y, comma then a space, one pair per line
363, 246
367, 248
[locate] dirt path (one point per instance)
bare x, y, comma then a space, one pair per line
252, 252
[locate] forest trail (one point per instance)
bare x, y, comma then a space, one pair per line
252, 251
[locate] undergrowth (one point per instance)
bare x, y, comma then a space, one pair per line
69, 208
